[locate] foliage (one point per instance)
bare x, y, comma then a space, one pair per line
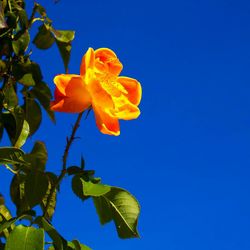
33, 189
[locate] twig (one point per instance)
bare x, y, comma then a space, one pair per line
65, 156
70, 140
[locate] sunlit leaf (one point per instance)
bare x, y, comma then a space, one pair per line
25, 238
64, 36
121, 207
5, 216
92, 189
9, 221
24, 133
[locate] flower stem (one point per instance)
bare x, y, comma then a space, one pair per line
70, 140
65, 156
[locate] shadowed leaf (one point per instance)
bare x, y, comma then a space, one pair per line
35, 187
17, 193
21, 44
44, 38
11, 155
37, 157
33, 114
65, 49
43, 94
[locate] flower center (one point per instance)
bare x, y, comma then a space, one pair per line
109, 83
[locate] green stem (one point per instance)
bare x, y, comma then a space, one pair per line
65, 156
10, 169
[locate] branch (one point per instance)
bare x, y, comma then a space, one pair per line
65, 156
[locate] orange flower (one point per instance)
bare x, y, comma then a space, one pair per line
99, 86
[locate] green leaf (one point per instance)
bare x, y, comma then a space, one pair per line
5, 217
25, 238
21, 44
64, 49
44, 38
16, 126
52, 202
35, 187
33, 114
22, 72
10, 97
23, 19
11, 155
76, 185
82, 163
92, 189
76, 245
74, 170
58, 241
9, 223
103, 209
11, 20
3, 24
121, 207
37, 157
27, 80
17, 193
43, 94
23, 135
64, 36
3, 67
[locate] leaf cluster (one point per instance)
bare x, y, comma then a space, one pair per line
34, 189
23, 92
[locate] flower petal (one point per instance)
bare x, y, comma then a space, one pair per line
88, 61
105, 123
107, 61
99, 96
133, 88
124, 109
62, 81
71, 94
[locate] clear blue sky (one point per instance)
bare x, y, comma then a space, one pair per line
187, 157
